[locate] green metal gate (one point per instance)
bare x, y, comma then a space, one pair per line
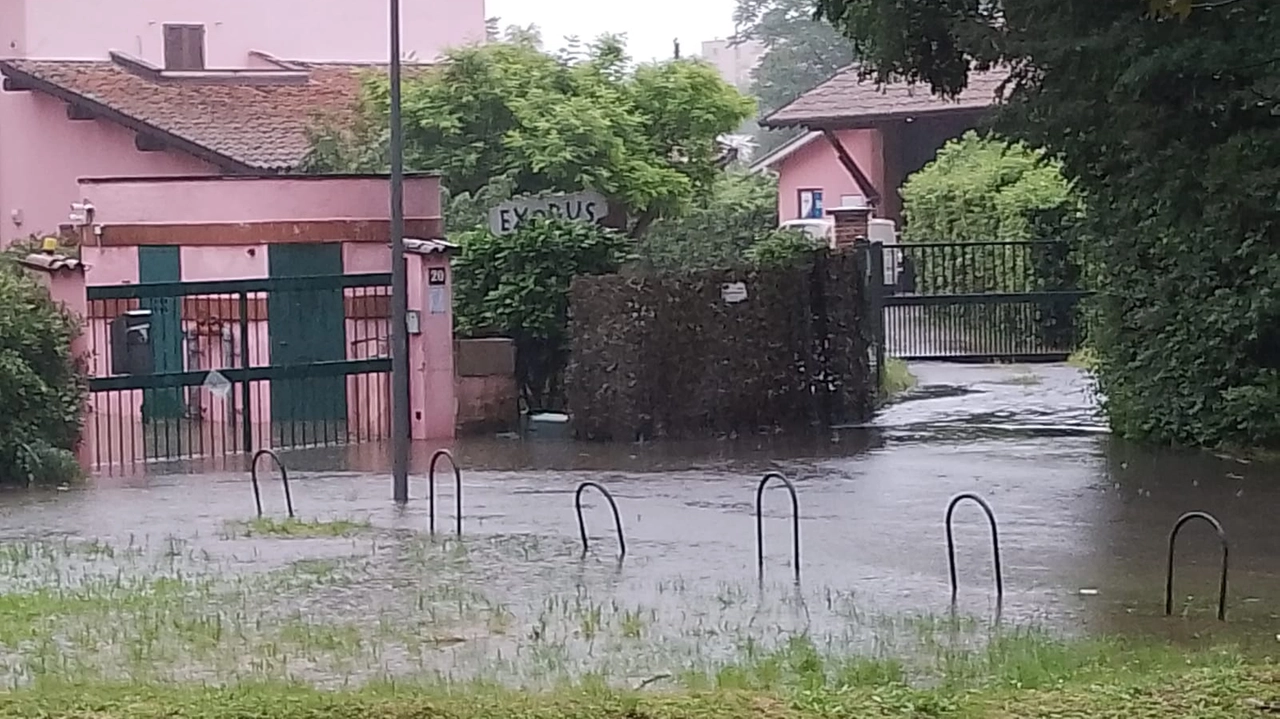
978, 301
284, 362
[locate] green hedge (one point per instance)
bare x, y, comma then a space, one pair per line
42, 386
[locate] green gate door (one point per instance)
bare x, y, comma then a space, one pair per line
163, 264
305, 327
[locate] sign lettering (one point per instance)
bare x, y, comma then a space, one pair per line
507, 217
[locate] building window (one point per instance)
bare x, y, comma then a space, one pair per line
184, 47
810, 204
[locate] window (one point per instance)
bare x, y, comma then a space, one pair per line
184, 47
810, 204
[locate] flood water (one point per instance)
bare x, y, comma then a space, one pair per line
1083, 522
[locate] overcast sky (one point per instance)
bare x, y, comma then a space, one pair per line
650, 25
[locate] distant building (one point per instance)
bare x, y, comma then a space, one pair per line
735, 61
157, 87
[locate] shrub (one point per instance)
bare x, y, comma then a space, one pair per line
985, 190
718, 230
517, 285
42, 385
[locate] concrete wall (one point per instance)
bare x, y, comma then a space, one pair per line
488, 396
42, 154
250, 199
346, 30
817, 166
13, 28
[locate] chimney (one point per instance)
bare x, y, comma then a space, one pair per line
851, 225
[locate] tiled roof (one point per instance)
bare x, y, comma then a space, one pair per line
849, 101
253, 126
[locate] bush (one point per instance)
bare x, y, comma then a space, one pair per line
718, 230
42, 385
517, 285
987, 190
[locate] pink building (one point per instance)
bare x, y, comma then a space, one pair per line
284, 276
864, 140
162, 87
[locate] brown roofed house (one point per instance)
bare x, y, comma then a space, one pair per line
861, 140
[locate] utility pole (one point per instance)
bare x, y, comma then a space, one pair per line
399, 283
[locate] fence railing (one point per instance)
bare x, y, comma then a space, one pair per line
191, 370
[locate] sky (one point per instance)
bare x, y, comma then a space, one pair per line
650, 25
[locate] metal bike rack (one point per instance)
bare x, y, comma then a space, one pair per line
582, 524
995, 544
1222, 539
284, 478
795, 521
33, 460
457, 487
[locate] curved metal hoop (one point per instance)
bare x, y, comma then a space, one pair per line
1222, 539
582, 524
33, 461
284, 478
795, 521
995, 544
457, 487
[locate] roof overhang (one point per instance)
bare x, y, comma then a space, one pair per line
864, 122
18, 79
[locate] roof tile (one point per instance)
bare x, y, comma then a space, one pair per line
262, 126
849, 100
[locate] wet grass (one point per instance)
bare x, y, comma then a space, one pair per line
897, 378
402, 624
295, 528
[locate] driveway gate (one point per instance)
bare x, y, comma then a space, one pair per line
191, 370
978, 301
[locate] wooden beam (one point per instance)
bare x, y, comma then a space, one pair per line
850, 166
149, 143
79, 113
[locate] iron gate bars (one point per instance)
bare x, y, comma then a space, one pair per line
795, 522
284, 478
1222, 539
582, 524
457, 487
995, 544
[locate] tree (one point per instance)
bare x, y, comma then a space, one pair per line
42, 385
1164, 114
517, 285
645, 137
718, 231
800, 51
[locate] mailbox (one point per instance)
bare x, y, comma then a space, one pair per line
131, 343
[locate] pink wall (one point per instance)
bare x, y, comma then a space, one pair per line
13, 28
255, 199
42, 154
816, 166
347, 30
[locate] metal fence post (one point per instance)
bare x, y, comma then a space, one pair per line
874, 277
246, 395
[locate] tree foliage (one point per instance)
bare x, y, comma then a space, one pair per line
720, 230
1166, 115
643, 136
517, 285
42, 386
983, 190
800, 51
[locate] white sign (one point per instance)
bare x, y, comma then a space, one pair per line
218, 384
734, 292
585, 206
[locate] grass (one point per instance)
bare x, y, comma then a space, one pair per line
897, 378
396, 625
295, 528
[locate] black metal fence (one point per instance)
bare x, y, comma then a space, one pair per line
980, 300
191, 370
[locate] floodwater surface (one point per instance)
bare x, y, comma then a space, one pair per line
170, 571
